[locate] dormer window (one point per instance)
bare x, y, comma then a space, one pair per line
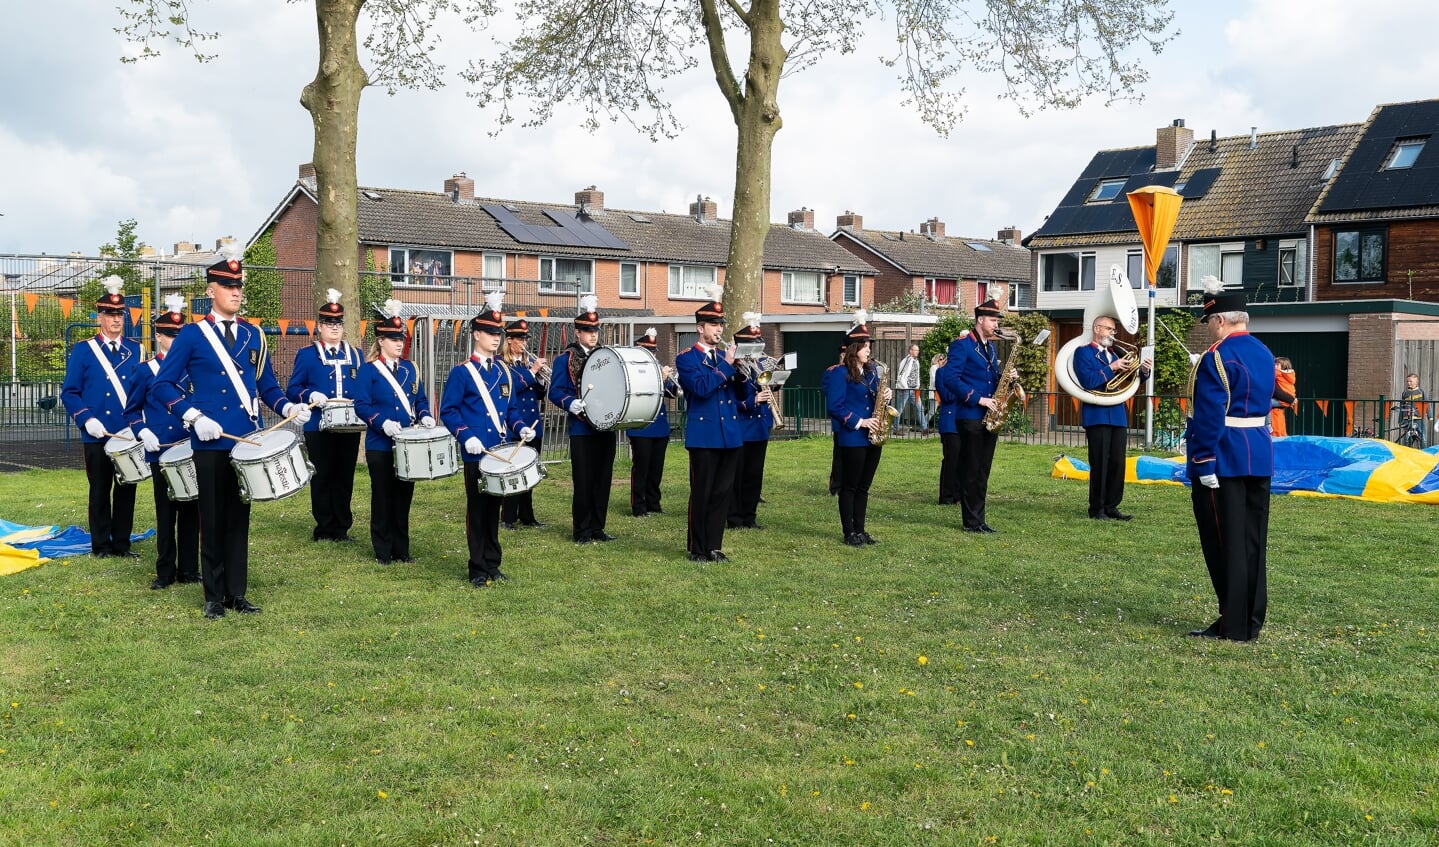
1406, 150
1107, 189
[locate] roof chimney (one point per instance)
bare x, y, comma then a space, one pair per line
802, 218
933, 228
183, 247
590, 200
460, 188
1213, 140
704, 209
1009, 235
850, 221
1253, 137
307, 171
1294, 158
1170, 144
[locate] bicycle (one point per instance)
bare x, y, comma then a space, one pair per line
1169, 440
1409, 432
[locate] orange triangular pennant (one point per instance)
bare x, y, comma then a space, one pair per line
135, 312
1075, 401
1183, 405
1348, 415
1154, 401
196, 318
409, 328
284, 325
1051, 403
1323, 406
31, 298
66, 304
544, 313
456, 334
310, 327
363, 325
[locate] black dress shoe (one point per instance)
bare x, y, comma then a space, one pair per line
984, 527
214, 610
974, 529
641, 514
535, 524
854, 539
717, 556
385, 561
753, 525
499, 576
867, 538
187, 578
128, 554
734, 525
1212, 631
698, 557
409, 560
1099, 517
508, 524
656, 510
1116, 515
480, 582
157, 584
603, 536
584, 539
241, 605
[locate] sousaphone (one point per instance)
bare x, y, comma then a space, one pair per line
1115, 300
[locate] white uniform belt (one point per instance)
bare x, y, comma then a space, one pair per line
1246, 423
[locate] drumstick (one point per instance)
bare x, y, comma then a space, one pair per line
278, 425
242, 440
517, 447
120, 435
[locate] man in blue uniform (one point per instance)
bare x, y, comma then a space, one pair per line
217, 374
177, 522
1106, 428
476, 409
99, 376
713, 435
324, 371
592, 451
946, 423
1230, 462
527, 401
756, 417
972, 376
649, 444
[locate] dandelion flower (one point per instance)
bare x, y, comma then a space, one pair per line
382, 795
923, 660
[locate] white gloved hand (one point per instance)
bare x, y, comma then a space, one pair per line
206, 429
576, 406
527, 434
427, 421
473, 446
297, 411
147, 438
94, 428
317, 397
1209, 480
391, 428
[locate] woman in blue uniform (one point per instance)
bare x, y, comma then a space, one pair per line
531, 381
756, 418
851, 393
649, 444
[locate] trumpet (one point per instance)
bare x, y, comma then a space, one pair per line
543, 374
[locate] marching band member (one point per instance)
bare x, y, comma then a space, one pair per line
592, 451
177, 523
946, 422
713, 436
527, 402
1106, 428
1230, 462
476, 409
215, 377
99, 376
851, 393
649, 444
323, 371
756, 416
389, 396
972, 374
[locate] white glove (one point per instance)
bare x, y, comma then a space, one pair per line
317, 397
94, 428
576, 406
300, 413
391, 428
152, 444
527, 434
206, 429
1209, 480
427, 421
473, 446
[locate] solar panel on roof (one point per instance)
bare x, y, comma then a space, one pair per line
1364, 184
641, 219
983, 248
1199, 183
571, 231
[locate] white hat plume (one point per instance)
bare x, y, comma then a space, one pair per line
232, 251
589, 303
1212, 284
495, 301
751, 318
175, 303
391, 308
332, 295
652, 333
112, 284
860, 316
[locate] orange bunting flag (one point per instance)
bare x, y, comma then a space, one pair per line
1183, 405
544, 313
135, 312
31, 298
409, 328
456, 337
1323, 406
1075, 401
363, 325
1051, 402
1348, 415
310, 327
196, 318
1155, 402
66, 304
1385, 409
284, 325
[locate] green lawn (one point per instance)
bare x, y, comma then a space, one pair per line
1030, 687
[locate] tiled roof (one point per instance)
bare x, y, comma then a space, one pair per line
430, 219
950, 257
1365, 189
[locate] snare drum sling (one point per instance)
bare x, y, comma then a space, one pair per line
398, 397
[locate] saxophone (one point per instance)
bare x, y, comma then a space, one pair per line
1007, 389
884, 413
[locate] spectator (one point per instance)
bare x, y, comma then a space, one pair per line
1284, 396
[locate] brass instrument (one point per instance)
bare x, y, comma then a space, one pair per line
1115, 300
1121, 381
544, 373
883, 412
1007, 389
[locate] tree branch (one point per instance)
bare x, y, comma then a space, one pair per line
719, 56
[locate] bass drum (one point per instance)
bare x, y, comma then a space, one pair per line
621, 387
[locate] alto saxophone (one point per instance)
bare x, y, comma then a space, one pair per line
1007, 389
883, 412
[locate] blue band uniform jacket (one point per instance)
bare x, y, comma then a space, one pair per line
144, 410
377, 404
87, 392
660, 428
192, 377
333, 377
849, 403
711, 399
463, 410
565, 390
756, 418
1093, 367
527, 399
970, 374
1233, 379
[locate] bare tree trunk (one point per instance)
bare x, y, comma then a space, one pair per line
333, 101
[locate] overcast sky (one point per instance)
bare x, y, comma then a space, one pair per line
194, 152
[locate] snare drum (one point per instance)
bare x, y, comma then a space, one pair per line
177, 466
339, 416
426, 452
521, 473
128, 455
274, 470
622, 388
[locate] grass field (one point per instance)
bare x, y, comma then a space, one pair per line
1030, 687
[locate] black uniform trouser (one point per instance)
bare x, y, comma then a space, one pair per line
949, 468
857, 466
1233, 522
520, 507
647, 470
482, 525
712, 474
224, 527
1106, 467
592, 458
834, 470
390, 499
334, 455
976, 455
177, 532
111, 509
749, 483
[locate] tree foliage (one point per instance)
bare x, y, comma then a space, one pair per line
263, 283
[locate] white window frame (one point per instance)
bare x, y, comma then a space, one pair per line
787, 284
1099, 189
1088, 261
554, 289
1291, 246
852, 299
1227, 252
1138, 279
1401, 149
676, 285
636, 268
491, 282
405, 279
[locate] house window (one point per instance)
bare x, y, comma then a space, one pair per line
1134, 267
1107, 189
1086, 271
1067, 271
691, 282
414, 266
940, 292
494, 272
851, 290
1017, 296
629, 279
1291, 268
566, 276
1167, 276
1359, 255
1231, 265
1405, 151
801, 287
